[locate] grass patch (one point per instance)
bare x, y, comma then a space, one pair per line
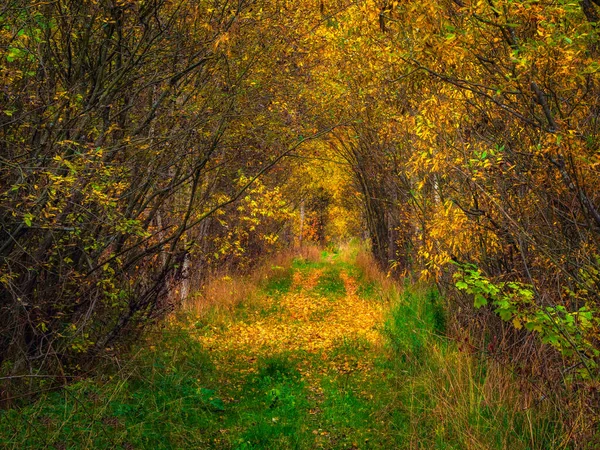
280, 283
164, 398
450, 398
351, 347
272, 409
355, 412
279, 367
367, 289
330, 284
307, 265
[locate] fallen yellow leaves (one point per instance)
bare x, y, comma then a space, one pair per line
307, 281
303, 320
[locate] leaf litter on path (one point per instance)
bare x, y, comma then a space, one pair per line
332, 341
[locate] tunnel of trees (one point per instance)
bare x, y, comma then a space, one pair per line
145, 144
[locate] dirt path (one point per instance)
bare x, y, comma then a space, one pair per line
310, 351
317, 357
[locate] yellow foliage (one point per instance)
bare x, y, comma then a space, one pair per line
304, 321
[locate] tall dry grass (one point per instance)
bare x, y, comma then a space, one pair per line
387, 287
480, 405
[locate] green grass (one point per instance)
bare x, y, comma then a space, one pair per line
280, 284
159, 400
307, 265
272, 407
451, 399
330, 284
367, 289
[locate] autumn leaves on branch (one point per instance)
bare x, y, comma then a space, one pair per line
140, 138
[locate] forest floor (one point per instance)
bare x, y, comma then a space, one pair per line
321, 357
305, 367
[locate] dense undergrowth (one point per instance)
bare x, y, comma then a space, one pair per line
337, 357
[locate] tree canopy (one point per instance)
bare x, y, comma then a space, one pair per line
145, 144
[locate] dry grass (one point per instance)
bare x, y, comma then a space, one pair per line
463, 399
386, 285
223, 292
472, 400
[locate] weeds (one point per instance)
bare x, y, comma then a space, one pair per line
451, 398
159, 399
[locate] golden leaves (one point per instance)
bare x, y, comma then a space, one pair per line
304, 321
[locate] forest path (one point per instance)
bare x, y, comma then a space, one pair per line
323, 353
304, 366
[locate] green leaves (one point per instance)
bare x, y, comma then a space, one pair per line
462, 285
480, 301
14, 53
472, 282
570, 332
